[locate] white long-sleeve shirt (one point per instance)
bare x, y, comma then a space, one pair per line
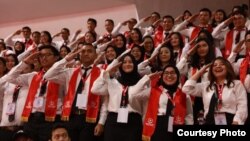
234, 98
236, 67
61, 75
19, 104
142, 92
15, 77
220, 33
104, 85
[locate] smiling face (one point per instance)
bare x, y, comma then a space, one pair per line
148, 45
239, 21
169, 76
110, 53
136, 52
47, 58
164, 54
219, 69
127, 64
119, 42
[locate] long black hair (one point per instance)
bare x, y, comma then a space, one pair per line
195, 59
131, 78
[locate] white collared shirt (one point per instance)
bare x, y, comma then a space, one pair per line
234, 98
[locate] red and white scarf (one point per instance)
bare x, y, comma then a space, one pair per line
51, 98
150, 121
93, 100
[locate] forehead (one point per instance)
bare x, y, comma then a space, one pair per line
46, 50
110, 49
238, 16
167, 19
88, 47
202, 42
204, 13
59, 131
218, 61
169, 69
164, 49
127, 58
248, 36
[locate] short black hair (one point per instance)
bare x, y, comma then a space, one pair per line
169, 17
92, 20
66, 47
52, 48
66, 29
157, 14
26, 27
21, 133
110, 20
36, 32
206, 10
57, 126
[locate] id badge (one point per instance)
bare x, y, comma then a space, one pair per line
81, 101
220, 119
170, 123
38, 103
122, 115
11, 109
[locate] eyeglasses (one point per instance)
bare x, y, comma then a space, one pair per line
169, 73
46, 55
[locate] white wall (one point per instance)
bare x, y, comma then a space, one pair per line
177, 7
74, 22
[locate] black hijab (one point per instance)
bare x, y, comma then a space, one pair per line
170, 88
131, 78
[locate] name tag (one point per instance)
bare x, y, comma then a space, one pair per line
122, 115
220, 119
170, 123
81, 101
11, 107
38, 102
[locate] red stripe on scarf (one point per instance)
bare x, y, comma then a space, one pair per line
51, 98
152, 111
93, 100
228, 45
243, 69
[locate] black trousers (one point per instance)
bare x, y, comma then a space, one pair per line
161, 130
131, 131
38, 128
80, 130
229, 118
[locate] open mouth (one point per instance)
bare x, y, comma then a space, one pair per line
218, 70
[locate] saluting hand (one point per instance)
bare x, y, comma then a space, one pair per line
239, 47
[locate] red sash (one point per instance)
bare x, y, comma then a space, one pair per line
51, 98
228, 45
196, 31
243, 69
158, 38
152, 110
93, 100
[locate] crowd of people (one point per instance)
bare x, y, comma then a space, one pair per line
127, 86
